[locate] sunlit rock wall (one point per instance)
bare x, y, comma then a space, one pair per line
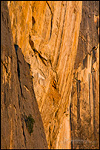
55, 38
47, 32
18, 99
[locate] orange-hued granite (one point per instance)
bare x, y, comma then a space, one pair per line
50, 69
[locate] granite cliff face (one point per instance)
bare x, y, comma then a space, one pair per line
50, 45
84, 108
18, 99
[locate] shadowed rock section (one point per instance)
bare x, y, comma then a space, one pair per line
21, 123
84, 108
89, 30
59, 41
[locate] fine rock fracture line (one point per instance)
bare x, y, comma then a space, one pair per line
51, 18
35, 51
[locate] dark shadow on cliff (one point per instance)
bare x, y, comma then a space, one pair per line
26, 86
88, 35
21, 122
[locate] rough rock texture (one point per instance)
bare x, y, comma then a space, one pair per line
47, 32
17, 95
84, 110
89, 30
50, 35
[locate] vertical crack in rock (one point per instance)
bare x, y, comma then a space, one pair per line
61, 36
70, 112
18, 69
78, 112
51, 19
23, 131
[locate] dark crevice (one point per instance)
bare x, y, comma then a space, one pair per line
16, 47
29, 65
36, 52
24, 137
18, 69
24, 134
50, 62
51, 19
78, 111
71, 126
56, 113
33, 21
50, 144
42, 58
51, 26
19, 100
54, 84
